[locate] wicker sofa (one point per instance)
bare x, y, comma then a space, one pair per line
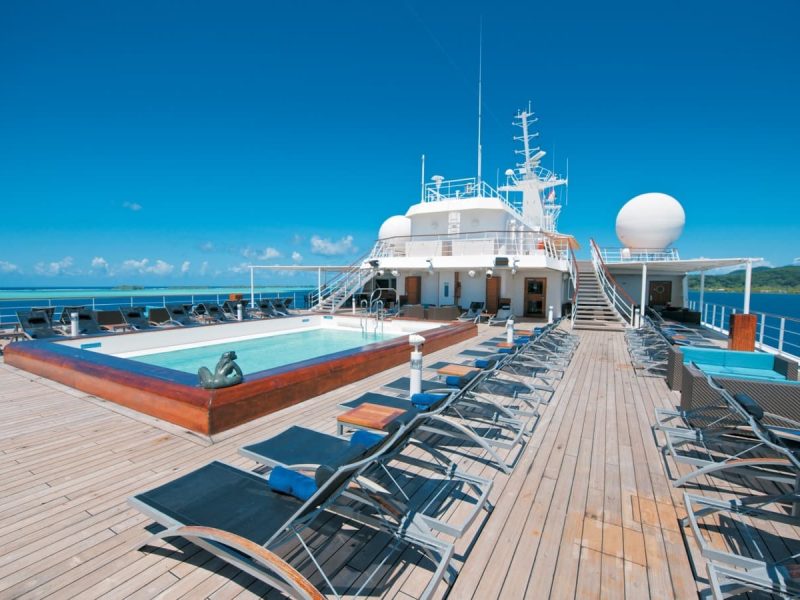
771, 381
679, 354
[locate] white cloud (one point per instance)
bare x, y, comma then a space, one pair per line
265, 254
134, 206
326, 247
160, 268
144, 266
207, 246
100, 265
204, 268
796, 260
185, 266
7, 267
297, 257
55, 268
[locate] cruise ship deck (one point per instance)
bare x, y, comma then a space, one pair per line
587, 512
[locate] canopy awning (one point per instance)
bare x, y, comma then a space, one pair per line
677, 267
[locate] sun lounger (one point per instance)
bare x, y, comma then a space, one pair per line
87, 324
280, 307
300, 447
245, 518
458, 417
230, 309
158, 316
208, 312
178, 314
473, 313
752, 566
36, 325
135, 318
265, 310
503, 314
737, 437
111, 320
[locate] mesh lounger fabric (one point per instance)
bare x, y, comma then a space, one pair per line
221, 496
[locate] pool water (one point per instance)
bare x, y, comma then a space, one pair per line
266, 352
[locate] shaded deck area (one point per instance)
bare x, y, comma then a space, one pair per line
587, 512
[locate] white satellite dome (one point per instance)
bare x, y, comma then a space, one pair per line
397, 227
651, 220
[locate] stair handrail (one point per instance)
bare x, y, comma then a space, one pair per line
619, 298
344, 283
573, 275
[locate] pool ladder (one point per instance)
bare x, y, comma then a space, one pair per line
372, 316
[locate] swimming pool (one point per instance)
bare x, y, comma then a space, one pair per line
267, 352
295, 358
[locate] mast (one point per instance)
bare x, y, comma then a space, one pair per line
480, 100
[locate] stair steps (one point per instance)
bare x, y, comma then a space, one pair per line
594, 311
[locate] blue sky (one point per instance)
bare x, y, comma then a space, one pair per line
172, 142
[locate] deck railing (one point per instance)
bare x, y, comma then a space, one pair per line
623, 255
9, 307
774, 333
487, 243
619, 298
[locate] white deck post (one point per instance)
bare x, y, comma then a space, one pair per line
685, 284
643, 302
748, 276
252, 290
319, 285
702, 291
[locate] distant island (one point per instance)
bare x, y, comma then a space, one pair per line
777, 280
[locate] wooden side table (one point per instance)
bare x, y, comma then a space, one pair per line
457, 370
368, 416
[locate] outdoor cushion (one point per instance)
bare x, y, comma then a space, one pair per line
424, 401
292, 483
365, 439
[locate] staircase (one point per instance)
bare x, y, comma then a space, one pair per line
344, 285
594, 311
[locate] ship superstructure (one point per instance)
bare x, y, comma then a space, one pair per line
466, 242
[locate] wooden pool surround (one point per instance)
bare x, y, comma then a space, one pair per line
176, 397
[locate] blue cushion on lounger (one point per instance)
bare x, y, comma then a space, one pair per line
366, 439
424, 401
485, 363
292, 483
522, 339
505, 350
459, 382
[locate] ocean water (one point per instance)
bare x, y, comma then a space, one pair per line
786, 305
268, 352
771, 306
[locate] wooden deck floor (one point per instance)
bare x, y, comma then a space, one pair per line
587, 512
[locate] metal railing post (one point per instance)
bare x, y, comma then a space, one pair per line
761, 332
780, 334
713, 315
722, 318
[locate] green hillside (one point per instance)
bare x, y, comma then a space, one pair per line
765, 279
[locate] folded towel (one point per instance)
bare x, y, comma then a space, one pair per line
485, 363
292, 483
424, 401
364, 438
459, 382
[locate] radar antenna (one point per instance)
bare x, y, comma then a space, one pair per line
531, 156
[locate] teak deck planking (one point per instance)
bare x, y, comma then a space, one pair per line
588, 511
